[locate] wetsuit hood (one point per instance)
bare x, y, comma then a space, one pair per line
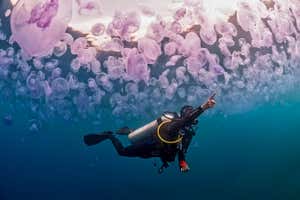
186, 111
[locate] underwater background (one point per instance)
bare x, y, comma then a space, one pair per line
245, 148
253, 155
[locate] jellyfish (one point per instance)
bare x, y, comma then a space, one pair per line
208, 34
179, 14
136, 66
180, 75
52, 64
171, 90
37, 63
156, 31
67, 38
173, 60
47, 89
296, 12
239, 84
191, 43
131, 88
6, 61
33, 21
197, 61
156, 93
60, 88
98, 95
14, 75
124, 25
147, 11
87, 55
246, 16
98, 29
224, 44
41, 75
116, 99
60, 49
102, 80
191, 98
114, 44
95, 66
92, 83
216, 69
232, 62
170, 48
176, 27
10, 52
192, 3
32, 81
21, 90
226, 28
89, 7
177, 38
2, 36
267, 38
75, 65
281, 26
34, 84
56, 73
72, 81
4, 71
78, 45
181, 92
34, 125
163, 79
115, 67
2, 53
149, 48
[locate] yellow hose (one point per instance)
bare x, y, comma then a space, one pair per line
164, 140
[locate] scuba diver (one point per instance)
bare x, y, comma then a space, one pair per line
166, 137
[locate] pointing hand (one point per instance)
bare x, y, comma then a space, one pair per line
210, 102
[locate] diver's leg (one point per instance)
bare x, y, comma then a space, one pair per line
129, 151
143, 151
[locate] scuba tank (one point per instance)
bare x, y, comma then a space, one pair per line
166, 131
147, 133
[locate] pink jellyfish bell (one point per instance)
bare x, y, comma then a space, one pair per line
37, 25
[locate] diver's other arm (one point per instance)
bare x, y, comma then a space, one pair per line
184, 167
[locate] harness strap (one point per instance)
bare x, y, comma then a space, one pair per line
163, 139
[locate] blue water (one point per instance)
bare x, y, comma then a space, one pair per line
253, 155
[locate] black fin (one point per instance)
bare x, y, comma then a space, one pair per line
124, 131
92, 139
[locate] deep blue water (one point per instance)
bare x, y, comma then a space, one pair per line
253, 155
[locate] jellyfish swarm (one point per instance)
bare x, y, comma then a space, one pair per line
38, 25
247, 57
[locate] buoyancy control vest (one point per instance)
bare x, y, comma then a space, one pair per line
156, 131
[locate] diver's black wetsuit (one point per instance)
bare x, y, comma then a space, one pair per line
167, 152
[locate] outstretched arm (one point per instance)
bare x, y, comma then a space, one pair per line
177, 124
208, 104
